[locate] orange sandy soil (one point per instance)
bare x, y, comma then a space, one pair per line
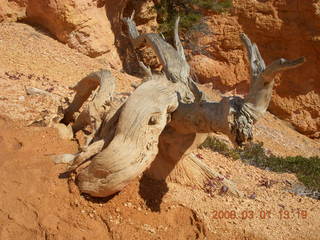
37, 204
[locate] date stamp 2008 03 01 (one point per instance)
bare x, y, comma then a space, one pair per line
260, 214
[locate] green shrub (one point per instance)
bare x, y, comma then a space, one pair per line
214, 5
306, 169
189, 12
217, 146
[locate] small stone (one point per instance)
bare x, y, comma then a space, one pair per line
253, 196
36, 91
223, 190
21, 98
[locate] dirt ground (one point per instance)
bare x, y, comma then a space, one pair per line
37, 204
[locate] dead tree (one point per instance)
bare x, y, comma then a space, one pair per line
155, 129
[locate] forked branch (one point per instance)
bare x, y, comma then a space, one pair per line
235, 116
262, 78
173, 61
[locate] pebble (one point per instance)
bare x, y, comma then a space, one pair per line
21, 98
129, 204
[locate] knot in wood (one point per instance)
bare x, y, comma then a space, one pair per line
153, 120
242, 126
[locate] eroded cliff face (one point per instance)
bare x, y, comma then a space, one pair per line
221, 59
281, 28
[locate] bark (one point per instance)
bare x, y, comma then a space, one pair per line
163, 120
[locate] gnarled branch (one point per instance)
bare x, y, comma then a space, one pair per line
235, 116
262, 78
174, 63
93, 114
177, 41
166, 117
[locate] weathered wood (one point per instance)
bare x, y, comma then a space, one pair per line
101, 85
85, 155
135, 143
165, 118
177, 70
177, 41
262, 78
235, 116
174, 63
176, 163
96, 109
257, 64
146, 70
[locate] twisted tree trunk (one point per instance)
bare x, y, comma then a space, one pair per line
163, 120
